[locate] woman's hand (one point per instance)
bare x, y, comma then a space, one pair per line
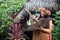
45, 30
32, 17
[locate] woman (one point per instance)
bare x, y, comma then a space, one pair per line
43, 33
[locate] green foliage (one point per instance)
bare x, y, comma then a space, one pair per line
8, 6
56, 26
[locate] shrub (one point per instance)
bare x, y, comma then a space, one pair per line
8, 6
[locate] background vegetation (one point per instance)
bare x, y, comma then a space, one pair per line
8, 7
56, 26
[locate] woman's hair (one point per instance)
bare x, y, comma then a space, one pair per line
46, 12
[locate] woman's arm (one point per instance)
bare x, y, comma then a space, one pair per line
47, 30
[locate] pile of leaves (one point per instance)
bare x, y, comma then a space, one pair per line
6, 7
56, 26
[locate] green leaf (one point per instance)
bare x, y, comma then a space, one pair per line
58, 13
